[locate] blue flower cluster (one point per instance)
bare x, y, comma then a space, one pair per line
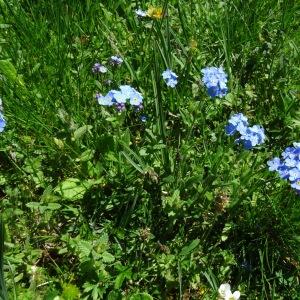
289, 166
2, 122
170, 78
250, 136
119, 98
215, 80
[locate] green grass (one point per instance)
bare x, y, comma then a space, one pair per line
99, 205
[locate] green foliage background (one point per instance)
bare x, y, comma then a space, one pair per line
99, 205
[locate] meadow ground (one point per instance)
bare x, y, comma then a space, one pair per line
140, 193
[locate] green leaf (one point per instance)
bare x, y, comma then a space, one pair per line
141, 296
84, 248
86, 155
107, 257
33, 205
8, 70
53, 206
188, 249
10, 73
114, 295
78, 133
119, 280
4, 26
71, 189
42, 207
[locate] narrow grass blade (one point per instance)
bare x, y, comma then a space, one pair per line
3, 291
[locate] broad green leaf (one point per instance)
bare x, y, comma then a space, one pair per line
34, 205
114, 295
141, 296
107, 257
188, 249
53, 206
86, 155
85, 248
8, 70
119, 280
71, 189
78, 133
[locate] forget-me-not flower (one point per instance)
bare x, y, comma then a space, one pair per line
237, 122
249, 136
105, 100
2, 122
252, 137
289, 166
119, 98
170, 78
274, 164
135, 98
215, 80
296, 185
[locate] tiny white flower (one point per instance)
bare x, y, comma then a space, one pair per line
140, 13
226, 294
223, 289
235, 296
102, 69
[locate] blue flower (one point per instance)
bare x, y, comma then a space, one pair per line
118, 96
252, 137
170, 78
105, 100
126, 90
215, 80
2, 122
237, 122
274, 164
288, 152
98, 68
289, 167
296, 185
135, 98
294, 174
143, 118
116, 60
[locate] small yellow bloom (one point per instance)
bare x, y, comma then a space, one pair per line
193, 44
155, 12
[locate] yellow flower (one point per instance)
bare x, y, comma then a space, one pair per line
193, 44
155, 12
